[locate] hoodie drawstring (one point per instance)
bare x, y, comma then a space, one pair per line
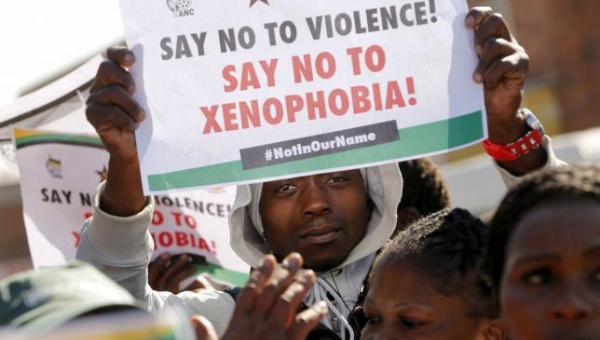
319, 292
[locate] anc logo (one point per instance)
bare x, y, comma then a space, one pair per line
181, 8
54, 167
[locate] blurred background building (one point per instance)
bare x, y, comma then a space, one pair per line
562, 39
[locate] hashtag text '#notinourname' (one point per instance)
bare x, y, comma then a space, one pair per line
268, 155
339, 142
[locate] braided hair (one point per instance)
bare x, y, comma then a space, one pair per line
447, 247
424, 186
563, 183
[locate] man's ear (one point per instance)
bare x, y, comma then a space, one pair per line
492, 329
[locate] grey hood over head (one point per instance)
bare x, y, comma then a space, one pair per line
384, 187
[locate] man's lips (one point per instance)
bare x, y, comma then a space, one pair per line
320, 233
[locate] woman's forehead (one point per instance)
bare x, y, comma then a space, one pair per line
550, 224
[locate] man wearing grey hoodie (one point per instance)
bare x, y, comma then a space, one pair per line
336, 221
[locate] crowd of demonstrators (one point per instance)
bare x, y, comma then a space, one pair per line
326, 230
540, 278
336, 221
543, 255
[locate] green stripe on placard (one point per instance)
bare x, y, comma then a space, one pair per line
220, 273
416, 140
44, 138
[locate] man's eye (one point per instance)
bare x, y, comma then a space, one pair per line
537, 277
372, 319
337, 179
285, 187
410, 323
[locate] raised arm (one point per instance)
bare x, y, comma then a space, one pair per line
115, 116
502, 68
116, 238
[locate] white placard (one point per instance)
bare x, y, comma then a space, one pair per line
59, 174
244, 90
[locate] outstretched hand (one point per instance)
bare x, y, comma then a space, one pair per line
268, 305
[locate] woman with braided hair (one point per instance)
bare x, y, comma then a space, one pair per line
441, 293
544, 255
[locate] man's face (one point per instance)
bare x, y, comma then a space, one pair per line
322, 217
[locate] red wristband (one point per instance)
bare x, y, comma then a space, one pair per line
515, 150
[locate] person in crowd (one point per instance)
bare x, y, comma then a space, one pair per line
336, 221
427, 283
425, 191
543, 255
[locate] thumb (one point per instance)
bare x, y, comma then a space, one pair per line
203, 328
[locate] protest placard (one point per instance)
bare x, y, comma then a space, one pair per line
244, 90
59, 174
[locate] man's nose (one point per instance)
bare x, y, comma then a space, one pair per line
315, 200
572, 305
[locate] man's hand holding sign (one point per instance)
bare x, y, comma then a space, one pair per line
502, 68
115, 115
